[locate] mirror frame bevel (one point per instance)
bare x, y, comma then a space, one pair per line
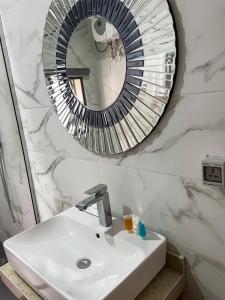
101, 131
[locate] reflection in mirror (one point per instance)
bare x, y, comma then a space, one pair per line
96, 63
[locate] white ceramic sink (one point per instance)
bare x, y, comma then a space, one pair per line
122, 264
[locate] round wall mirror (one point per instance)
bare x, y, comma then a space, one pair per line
96, 63
110, 67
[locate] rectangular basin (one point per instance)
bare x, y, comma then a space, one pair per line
71, 256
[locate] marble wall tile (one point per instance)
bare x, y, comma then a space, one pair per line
192, 127
5, 97
45, 134
49, 206
22, 205
8, 227
7, 4
29, 81
24, 27
62, 180
24, 41
200, 27
16, 169
8, 129
212, 285
205, 277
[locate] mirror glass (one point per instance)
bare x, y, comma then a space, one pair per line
96, 63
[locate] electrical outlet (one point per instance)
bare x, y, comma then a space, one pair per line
213, 171
213, 174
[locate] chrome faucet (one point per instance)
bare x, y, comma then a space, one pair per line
99, 195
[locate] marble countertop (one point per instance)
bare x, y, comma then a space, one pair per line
16, 284
167, 285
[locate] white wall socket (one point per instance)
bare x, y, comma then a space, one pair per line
213, 171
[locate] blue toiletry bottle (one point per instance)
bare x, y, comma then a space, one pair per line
142, 230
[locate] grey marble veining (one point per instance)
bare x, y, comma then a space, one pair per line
198, 268
192, 210
198, 261
204, 44
50, 171
36, 84
30, 87
214, 193
212, 67
190, 130
43, 127
171, 142
61, 201
45, 134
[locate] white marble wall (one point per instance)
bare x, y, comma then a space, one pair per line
161, 179
18, 186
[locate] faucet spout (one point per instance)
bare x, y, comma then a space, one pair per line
83, 205
98, 195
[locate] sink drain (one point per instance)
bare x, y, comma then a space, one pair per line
83, 263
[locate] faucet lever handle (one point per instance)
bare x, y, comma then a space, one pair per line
100, 189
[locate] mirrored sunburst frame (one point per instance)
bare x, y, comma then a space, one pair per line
147, 30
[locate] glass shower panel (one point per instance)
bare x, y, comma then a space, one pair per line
16, 206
